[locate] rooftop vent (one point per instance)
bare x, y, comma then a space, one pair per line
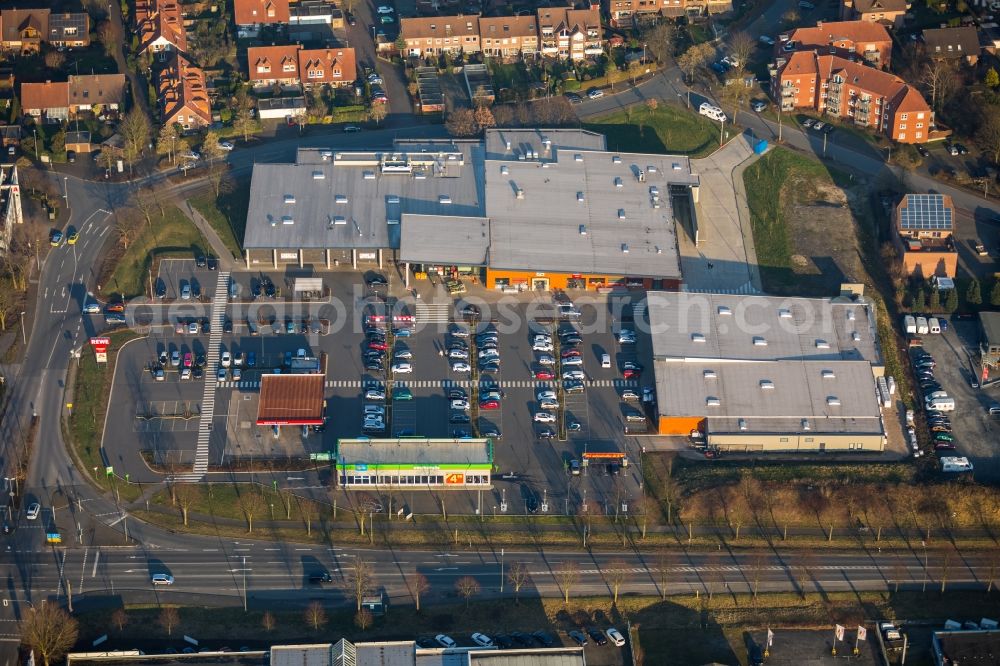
444, 199
339, 220
651, 168
369, 175
856, 336
822, 344
340, 198
832, 401
767, 384
616, 160
724, 310
785, 313
850, 315
697, 337
583, 229
326, 155
710, 374
759, 341
318, 175
621, 213
624, 248
287, 219
392, 198
618, 181
641, 175
507, 143
676, 166
712, 401
392, 222
743, 424
418, 175
654, 192
805, 425
580, 197
578, 157
519, 193
504, 170
289, 198
829, 374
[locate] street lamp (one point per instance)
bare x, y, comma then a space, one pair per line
24, 336
66, 191
501, 571
924, 544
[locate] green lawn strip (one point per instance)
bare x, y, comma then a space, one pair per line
91, 392
227, 214
664, 129
170, 234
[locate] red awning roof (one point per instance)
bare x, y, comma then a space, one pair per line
291, 400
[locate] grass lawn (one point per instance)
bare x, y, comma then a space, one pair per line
664, 129
227, 214
170, 234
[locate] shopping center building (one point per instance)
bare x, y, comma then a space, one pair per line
415, 463
521, 209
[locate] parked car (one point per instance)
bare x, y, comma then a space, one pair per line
578, 637
595, 93
482, 640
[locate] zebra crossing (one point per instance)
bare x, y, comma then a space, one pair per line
432, 313
445, 383
208, 398
745, 289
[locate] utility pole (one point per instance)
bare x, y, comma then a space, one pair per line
244, 583
24, 336
501, 572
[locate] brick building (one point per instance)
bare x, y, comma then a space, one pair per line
184, 95
887, 12
564, 32
924, 225
506, 36
440, 34
860, 41
160, 27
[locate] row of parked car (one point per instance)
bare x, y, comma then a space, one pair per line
937, 402
520, 639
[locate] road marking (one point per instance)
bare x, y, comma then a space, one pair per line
97, 558
83, 569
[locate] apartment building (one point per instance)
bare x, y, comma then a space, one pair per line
251, 15
564, 32
623, 12
160, 27
184, 95
871, 98
507, 36
24, 30
888, 12
862, 41
440, 34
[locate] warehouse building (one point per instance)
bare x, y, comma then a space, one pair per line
414, 463
474, 207
767, 373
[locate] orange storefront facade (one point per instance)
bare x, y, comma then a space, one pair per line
546, 280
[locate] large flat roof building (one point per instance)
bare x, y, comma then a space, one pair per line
756, 373
443, 206
414, 462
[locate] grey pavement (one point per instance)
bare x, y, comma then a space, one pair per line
219, 249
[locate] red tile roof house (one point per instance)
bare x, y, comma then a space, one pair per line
270, 65
873, 99
184, 95
160, 27
862, 41
334, 67
251, 15
47, 101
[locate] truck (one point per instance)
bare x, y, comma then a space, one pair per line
922, 328
909, 325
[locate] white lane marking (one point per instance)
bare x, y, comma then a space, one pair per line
97, 558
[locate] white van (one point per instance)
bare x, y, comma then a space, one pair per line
944, 404
933, 325
713, 112
922, 326
909, 324
605, 360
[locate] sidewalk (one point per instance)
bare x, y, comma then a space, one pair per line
219, 249
724, 260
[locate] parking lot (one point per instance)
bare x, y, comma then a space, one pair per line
977, 436
534, 460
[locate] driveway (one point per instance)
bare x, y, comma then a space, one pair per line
394, 81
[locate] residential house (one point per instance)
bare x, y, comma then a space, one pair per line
183, 94
334, 67
10, 136
24, 30
854, 40
47, 101
701, 7
888, 12
871, 98
160, 27
440, 34
624, 12
69, 30
100, 94
270, 65
953, 43
507, 36
564, 32
924, 225
316, 13
251, 15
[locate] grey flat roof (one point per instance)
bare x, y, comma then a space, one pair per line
458, 241
799, 390
414, 450
625, 232
539, 657
522, 140
318, 221
398, 653
793, 328
991, 326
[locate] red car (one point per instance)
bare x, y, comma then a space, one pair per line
489, 404
631, 373
544, 374
570, 353
187, 360
377, 344
115, 307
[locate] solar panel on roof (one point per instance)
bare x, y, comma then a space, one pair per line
926, 212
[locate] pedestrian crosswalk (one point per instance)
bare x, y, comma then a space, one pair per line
208, 399
444, 383
432, 313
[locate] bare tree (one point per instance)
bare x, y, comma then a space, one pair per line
661, 40
419, 586
518, 574
210, 148
251, 503
484, 117
897, 573
243, 118
461, 122
315, 615
267, 621
741, 45
169, 618
378, 112
615, 576
940, 80
125, 228
663, 573
308, 509
54, 60
186, 495
696, 57
359, 581
363, 619
166, 141
106, 34
467, 587
119, 618
988, 135
49, 631
945, 569
134, 130
756, 570
791, 17
566, 576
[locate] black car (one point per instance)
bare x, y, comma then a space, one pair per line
204, 326
374, 367
456, 394
269, 290
199, 261
255, 289
320, 578
503, 641
573, 98
197, 372
352, 21
458, 417
521, 638
597, 636
459, 433
377, 281
213, 263
161, 290
544, 638
426, 643
227, 326
491, 368
546, 433
578, 637
923, 151
471, 311
571, 340
962, 150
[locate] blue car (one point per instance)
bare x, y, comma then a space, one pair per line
251, 359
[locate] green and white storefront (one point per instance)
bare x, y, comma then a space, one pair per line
414, 463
